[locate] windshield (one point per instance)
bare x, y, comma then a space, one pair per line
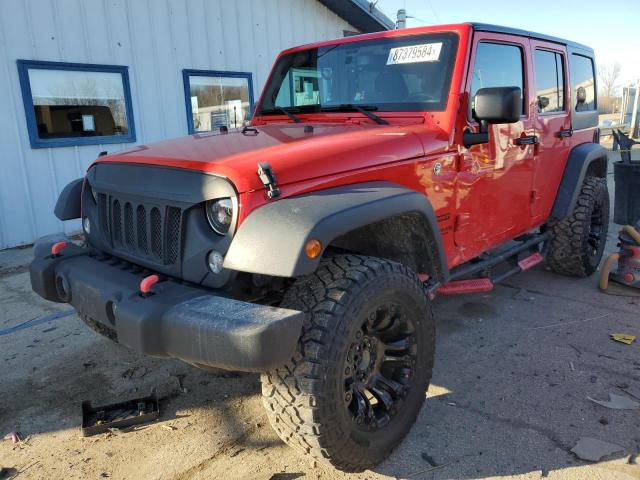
409, 73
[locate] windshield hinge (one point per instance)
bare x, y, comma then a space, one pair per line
268, 178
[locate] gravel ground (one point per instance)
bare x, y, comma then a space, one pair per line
513, 372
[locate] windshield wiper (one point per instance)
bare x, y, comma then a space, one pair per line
293, 117
286, 111
363, 109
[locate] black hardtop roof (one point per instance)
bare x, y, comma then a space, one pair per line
486, 27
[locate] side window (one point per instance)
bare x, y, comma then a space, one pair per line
549, 81
582, 83
497, 65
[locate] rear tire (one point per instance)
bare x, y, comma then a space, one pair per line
355, 385
578, 242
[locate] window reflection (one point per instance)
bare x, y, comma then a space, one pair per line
582, 83
71, 103
549, 81
218, 101
388, 74
497, 65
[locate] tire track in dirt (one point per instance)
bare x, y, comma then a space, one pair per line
261, 422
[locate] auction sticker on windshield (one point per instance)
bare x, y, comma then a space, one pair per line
428, 52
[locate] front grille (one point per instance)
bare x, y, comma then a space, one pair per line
141, 218
129, 227
156, 233
172, 249
147, 232
116, 222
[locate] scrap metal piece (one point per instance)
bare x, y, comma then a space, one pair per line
119, 415
593, 450
617, 402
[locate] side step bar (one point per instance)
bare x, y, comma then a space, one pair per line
471, 268
458, 285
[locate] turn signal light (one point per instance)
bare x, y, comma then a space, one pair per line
313, 248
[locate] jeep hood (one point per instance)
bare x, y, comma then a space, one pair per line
294, 155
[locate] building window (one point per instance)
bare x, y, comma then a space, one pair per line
549, 81
582, 83
215, 99
69, 104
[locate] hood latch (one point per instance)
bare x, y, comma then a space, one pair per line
268, 178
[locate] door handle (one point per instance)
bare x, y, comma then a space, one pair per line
564, 133
526, 140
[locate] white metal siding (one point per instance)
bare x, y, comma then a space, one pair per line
156, 39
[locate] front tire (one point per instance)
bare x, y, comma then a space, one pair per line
355, 385
578, 242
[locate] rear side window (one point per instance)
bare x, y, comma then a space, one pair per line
549, 81
582, 83
497, 65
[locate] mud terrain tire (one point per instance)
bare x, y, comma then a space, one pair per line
578, 241
364, 314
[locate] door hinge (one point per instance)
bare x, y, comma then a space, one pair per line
535, 197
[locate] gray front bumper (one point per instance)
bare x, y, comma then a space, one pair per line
178, 320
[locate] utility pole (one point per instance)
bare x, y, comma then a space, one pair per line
633, 130
401, 21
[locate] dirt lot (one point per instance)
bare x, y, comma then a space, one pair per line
513, 372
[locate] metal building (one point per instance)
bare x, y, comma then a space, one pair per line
78, 77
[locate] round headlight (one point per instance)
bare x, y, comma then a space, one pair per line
220, 214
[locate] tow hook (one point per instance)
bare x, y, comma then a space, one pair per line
268, 178
146, 284
57, 247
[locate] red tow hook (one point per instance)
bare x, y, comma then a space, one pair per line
56, 248
147, 283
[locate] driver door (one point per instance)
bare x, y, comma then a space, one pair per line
494, 179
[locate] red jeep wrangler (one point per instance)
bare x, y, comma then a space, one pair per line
378, 171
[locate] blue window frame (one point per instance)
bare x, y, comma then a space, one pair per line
68, 104
215, 98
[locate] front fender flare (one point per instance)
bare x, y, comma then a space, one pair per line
68, 206
271, 240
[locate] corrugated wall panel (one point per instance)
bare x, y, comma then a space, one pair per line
18, 216
156, 39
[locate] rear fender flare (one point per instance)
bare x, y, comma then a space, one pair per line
271, 239
588, 158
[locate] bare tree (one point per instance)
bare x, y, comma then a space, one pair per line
609, 75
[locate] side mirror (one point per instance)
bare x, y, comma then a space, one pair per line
493, 105
498, 104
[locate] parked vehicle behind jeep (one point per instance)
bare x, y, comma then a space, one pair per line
378, 171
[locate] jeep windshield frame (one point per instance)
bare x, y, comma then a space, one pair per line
410, 73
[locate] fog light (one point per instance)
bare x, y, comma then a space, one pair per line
86, 225
215, 261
